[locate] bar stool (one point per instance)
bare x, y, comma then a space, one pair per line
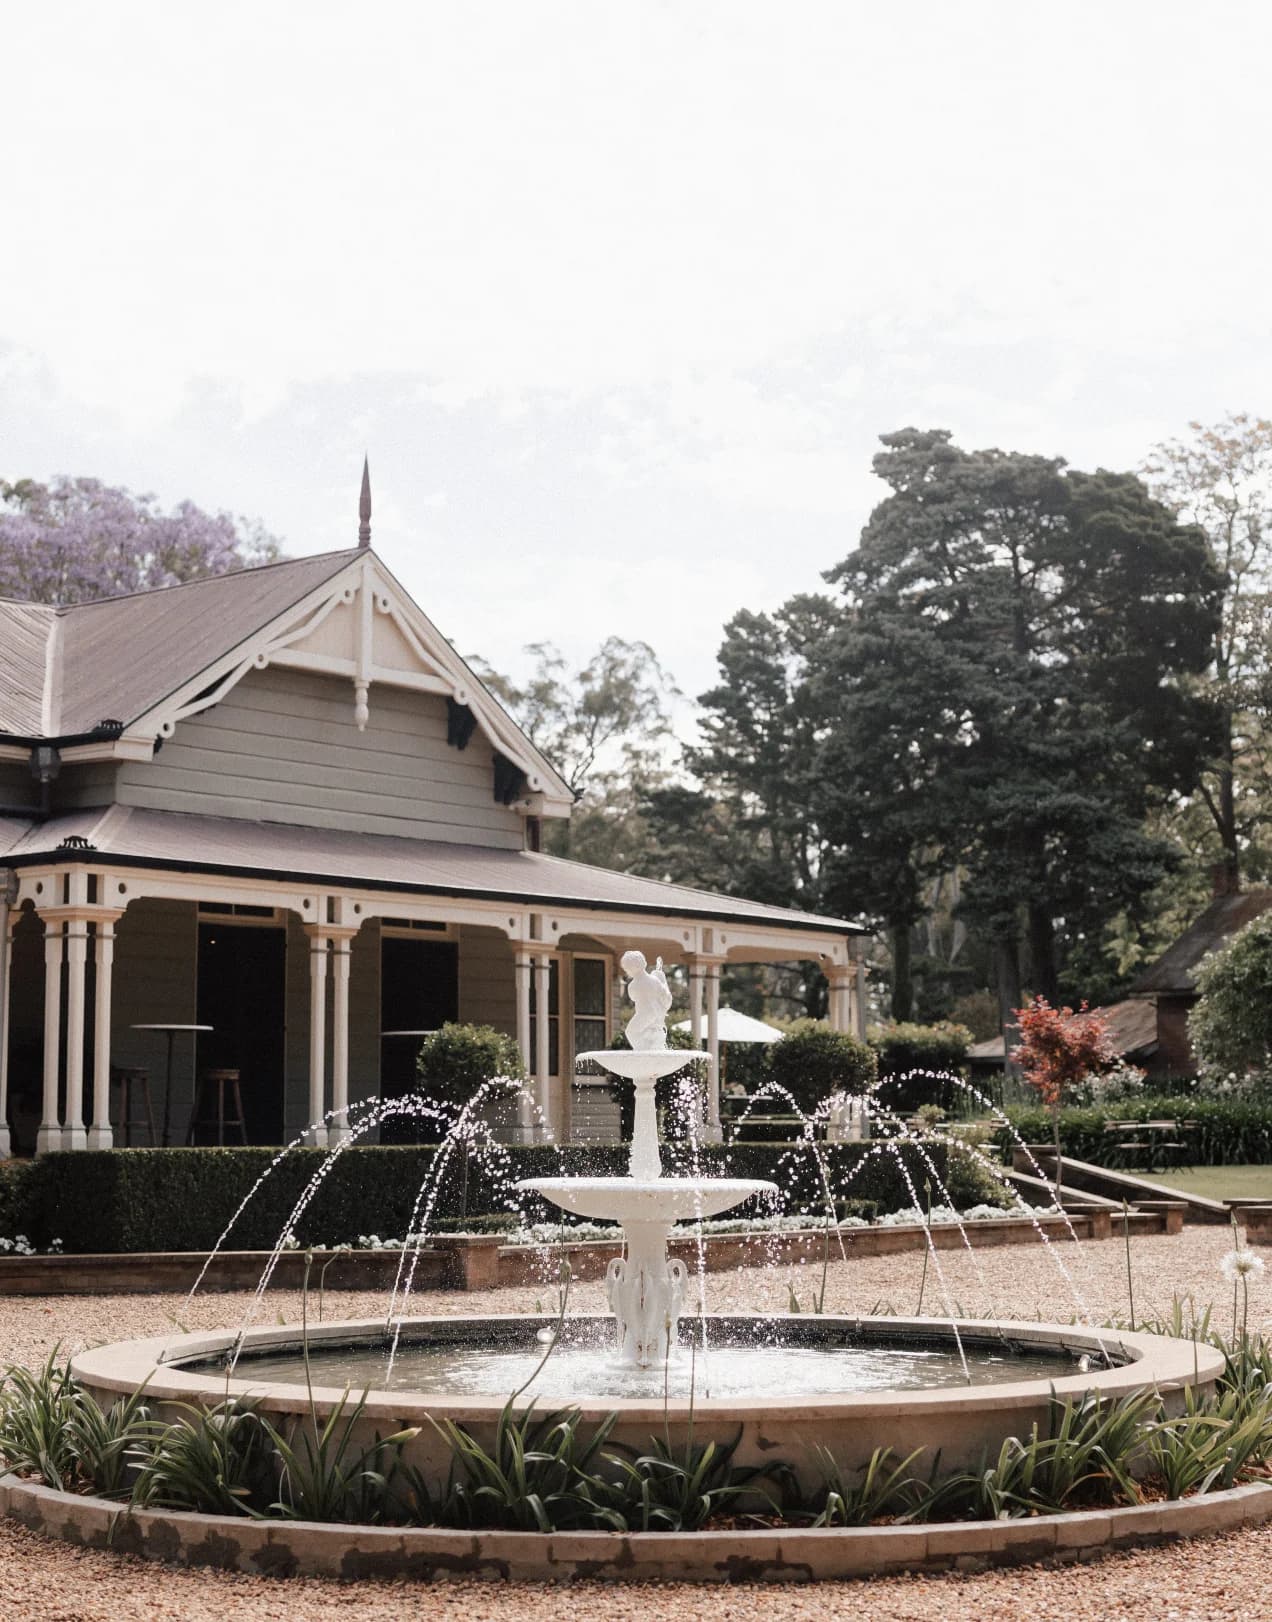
130, 1079
220, 1079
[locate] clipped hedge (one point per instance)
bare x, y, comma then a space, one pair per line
916, 1062
1228, 1133
122, 1200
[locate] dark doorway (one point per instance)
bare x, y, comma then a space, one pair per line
419, 991
242, 995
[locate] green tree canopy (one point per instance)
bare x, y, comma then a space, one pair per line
1009, 691
1231, 1025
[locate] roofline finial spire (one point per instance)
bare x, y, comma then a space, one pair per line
364, 506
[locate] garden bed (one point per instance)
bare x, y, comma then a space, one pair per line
481, 1261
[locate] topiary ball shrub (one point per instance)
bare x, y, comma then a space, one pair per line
456, 1060
811, 1062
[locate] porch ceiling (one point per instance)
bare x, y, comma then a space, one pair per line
123, 836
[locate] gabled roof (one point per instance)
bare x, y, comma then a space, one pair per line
145, 662
1173, 973
64, 670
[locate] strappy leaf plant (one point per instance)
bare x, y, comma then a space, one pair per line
217, 1460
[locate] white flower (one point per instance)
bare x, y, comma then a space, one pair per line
1242, 1264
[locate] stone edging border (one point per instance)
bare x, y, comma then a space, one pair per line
312, 1549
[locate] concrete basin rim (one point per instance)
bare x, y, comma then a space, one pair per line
1155, 1361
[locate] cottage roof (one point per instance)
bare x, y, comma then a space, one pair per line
64, 670
1132, 1026
124, 836
1174, 972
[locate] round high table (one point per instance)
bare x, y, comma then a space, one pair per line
170, 1031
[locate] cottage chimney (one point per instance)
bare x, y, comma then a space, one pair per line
364, 506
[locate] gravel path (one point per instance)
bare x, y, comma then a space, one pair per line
1213, 1579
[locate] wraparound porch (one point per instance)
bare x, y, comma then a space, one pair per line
91, 948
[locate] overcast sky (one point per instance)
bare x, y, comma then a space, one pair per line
617, 296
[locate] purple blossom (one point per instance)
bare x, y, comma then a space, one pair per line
74, 540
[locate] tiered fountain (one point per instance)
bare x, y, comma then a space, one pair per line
779, 1386
645, 1287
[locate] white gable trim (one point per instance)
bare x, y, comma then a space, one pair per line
362, 590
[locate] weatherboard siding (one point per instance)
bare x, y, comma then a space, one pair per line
282, 746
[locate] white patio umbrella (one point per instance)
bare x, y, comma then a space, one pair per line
732, 1026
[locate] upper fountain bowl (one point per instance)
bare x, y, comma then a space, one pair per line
654, 1199
643, 1064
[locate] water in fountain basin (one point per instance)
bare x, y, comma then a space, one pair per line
775, 1359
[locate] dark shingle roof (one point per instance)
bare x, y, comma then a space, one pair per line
1173, 971
1132, 1026
129, 835
118, 658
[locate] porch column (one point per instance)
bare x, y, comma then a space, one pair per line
542, 1053
838, 1010
100, 1135
315, 1131
74, 1135
711, 1127
338, 1131
50, 1134
521, 975
8, 919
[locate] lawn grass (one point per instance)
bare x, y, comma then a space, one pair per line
1220, 1182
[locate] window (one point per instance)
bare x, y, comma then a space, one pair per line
586, 1010
591, 997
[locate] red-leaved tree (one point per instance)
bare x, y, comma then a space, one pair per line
1059, 1050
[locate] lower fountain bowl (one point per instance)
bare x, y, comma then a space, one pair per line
1016, 1367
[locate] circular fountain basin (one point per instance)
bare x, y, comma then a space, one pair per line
653, 1199
849, 1385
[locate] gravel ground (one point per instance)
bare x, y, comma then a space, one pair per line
1214, 1578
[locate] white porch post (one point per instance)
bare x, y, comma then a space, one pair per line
338, 1131
542, 1052
74, 1135
837, 1006
8, 919
315, 1131
100, 1135
521, 975
50, 1134
711, 1128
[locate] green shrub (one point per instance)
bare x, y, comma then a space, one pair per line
1231, 1025
906, 1051
123, 1200
455, 1061
812, 1061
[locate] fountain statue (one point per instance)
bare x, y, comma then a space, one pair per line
645, 1287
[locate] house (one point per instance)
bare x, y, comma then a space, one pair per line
1169, 986
278, 804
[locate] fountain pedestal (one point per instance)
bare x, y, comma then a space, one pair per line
645, 1287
